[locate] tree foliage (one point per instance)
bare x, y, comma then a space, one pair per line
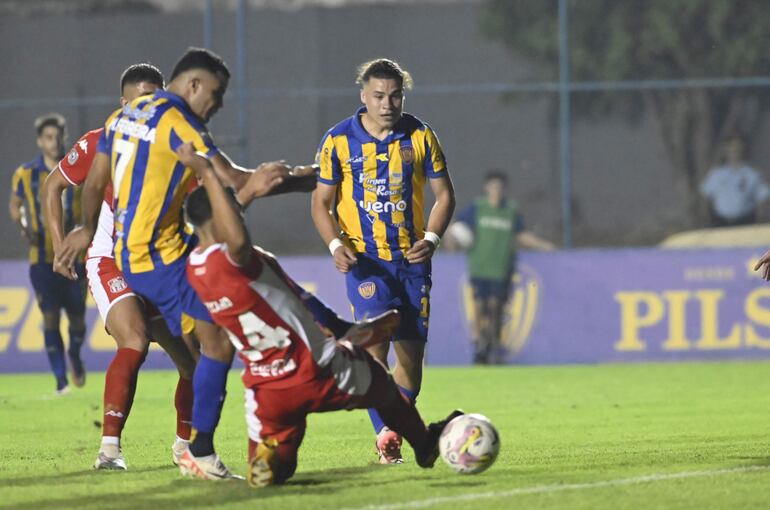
614, 40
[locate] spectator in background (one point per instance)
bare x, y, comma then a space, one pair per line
490, 230
734, 190
53, 291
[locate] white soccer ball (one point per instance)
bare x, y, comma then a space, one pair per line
469, 444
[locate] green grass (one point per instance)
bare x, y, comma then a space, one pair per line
559, 426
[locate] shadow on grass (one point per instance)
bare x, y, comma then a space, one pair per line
186, 493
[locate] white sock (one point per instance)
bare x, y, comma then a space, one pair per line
111, 440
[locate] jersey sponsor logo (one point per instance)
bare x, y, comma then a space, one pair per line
367, 290
276, 368
382, 157
72, 157
136, 113
382, 207
83, 144
407, 155
117, 284
495, 223
133, 129
219, 305
357, 159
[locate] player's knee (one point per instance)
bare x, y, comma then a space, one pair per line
77, 323
51, 320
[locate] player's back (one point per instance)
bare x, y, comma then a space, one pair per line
149, 182
264, 315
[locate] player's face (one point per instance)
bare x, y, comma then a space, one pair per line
384, 100
207, 94
495, 190
51, 142
133, 90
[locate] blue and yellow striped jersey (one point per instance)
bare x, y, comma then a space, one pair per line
380, 184
27, 182
149, 182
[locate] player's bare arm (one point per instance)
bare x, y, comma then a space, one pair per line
53, 187
321, 203
93, 193
16, 209
227, 221
763, 265
438, 221
528, 239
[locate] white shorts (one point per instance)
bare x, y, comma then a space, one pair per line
106, 283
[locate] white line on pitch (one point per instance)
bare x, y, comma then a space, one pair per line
545, 489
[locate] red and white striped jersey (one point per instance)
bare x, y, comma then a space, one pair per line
263, 313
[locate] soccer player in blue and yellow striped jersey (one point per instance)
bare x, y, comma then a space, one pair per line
53, 291
137, 152
374, 166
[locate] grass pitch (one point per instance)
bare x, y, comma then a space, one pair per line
613, 436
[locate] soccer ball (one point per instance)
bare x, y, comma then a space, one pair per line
469, 444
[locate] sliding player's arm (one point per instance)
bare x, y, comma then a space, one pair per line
227, 221
93, 195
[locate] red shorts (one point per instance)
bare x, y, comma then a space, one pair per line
352, 380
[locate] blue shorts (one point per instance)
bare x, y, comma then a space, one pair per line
55, 292
375, 286
167, 288
487, 289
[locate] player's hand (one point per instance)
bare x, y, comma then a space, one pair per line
72, 246
344, 259
30, 235
421, 251
303, 179
763, 265
266, 178
63, 269
190, 158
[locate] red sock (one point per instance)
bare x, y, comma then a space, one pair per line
183, 400
119, 389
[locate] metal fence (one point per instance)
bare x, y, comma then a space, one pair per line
489, 111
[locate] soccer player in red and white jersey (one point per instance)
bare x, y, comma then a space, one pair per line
121, 310
292, 368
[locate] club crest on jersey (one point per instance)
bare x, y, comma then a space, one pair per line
407, 155
367, 289
72, 157
117, 285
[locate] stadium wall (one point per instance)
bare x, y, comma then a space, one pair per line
582, 306
624, 188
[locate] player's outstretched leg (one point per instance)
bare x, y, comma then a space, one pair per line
401, 416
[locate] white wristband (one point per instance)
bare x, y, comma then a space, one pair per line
334, 244
432, 238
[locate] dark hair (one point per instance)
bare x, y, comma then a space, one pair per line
138, 73
198, 206
496, 175
200, 58
51, 119
386, 69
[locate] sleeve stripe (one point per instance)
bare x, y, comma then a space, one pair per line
64, 174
